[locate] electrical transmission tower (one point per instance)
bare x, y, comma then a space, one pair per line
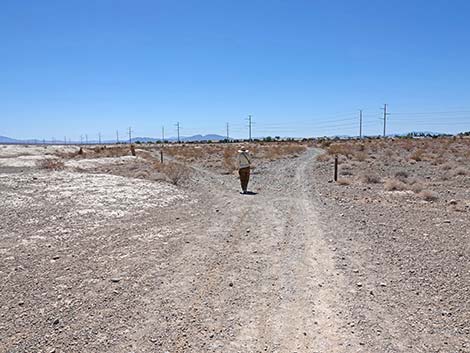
117, 137
360, 124
163, 135
228, 135
250, 123
178, 130
129, 131
385, 119
99, 138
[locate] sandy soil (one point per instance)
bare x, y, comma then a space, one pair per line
106, 262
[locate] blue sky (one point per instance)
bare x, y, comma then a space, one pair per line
301, 68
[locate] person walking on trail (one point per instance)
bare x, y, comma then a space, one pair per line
244, 164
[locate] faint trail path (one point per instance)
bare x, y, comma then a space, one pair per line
260, 276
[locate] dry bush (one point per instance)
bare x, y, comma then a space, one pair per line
276, 151
175, 172
228, 162
417, 188
344, 181
50, 164
344, 149
417, 155
402, 175
447, 166
187, 153
360, 156
459, 172
323, 157
395, 185
366, 178
428, 195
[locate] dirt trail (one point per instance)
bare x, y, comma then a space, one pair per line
210, 271
263, 275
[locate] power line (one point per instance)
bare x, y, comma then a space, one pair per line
360, 124
385, 118
178, 130
249, 126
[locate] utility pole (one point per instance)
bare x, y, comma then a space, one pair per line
65, 139
228, 135
360, 124
99, 138
178, 130
130, 135
385, 119
117, 136
163, 135
249, 126
81, 139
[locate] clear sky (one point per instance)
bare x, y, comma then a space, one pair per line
301, 68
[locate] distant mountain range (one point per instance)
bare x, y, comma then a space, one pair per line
194, 138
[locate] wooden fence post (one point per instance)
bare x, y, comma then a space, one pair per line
336, 168
161, 156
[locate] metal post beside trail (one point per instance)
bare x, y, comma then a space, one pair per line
161, 156
336, 168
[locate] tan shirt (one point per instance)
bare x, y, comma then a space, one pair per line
243, 160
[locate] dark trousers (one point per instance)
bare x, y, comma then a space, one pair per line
244, 177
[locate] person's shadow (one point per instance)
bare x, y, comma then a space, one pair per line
249, 193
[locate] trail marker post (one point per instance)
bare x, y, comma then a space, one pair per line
336, 168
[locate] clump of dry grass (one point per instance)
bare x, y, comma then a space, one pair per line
324, 157
395, 185
460, 172
417, 188
175, 172
360, 156
447, 166
228, 162
276, 151
50, 164
367, 178
428, 195
417, 155
344, 181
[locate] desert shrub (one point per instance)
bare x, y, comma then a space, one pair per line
324, 157
175, 172
344, 181
447, 166
228, 162
417, 188
395, 185
366, 178
133, 150
401, 174
50, 164
460, 171
360, 156
417, 155
428, 195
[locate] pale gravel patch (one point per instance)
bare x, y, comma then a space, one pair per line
101, 196
92, 163
24, 161
10, 151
